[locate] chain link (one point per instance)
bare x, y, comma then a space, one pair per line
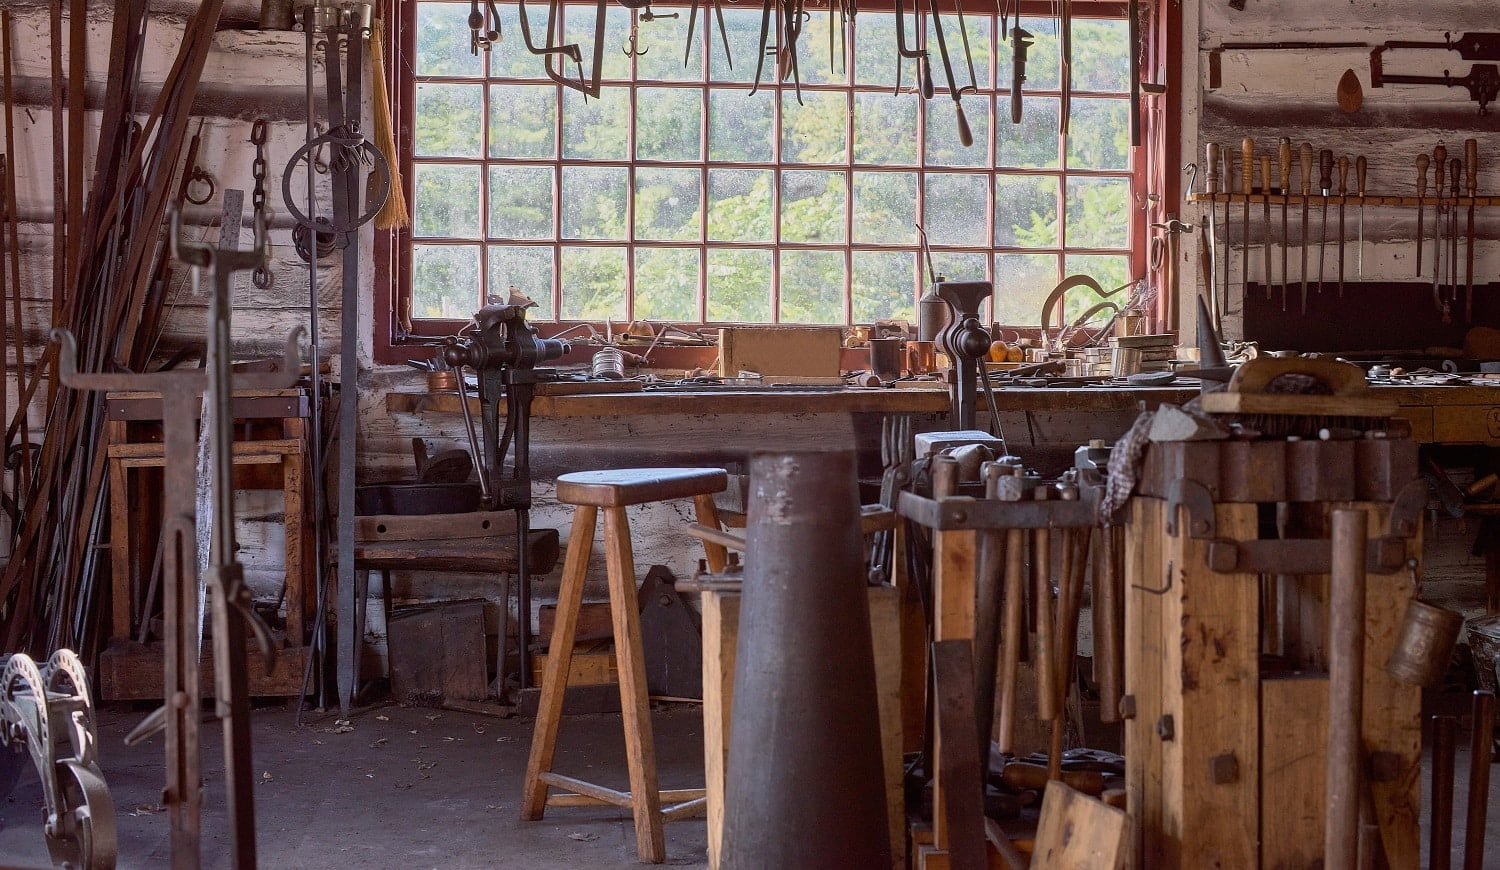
262, 276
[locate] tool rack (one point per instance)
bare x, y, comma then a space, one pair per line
1348, 199
1226, 649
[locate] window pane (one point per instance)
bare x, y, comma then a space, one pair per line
739, 126
521, 202
1026, 211
1041, 56
1101, 55
529, 270
596, 128
885, 207
443, 41
509, 56
1109, 271
1098, 212
956, 266
581, 22
666, 284
813, 132
1022, 283
743, 26
812, 206
666, 203
444, 281
448, 119
447, 201
668, 123
663, 40
812, 286
956, 209
943, 146
523, 120
885, 128
875, 50
593, 283
882, 285
593, 202
1099, 135
1031, 144
739, 205
978, 29
739, 286
814, 65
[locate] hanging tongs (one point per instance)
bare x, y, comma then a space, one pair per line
965, 135
589, 87
484, 26
1020, 40
789, 15
919, 54
718, 9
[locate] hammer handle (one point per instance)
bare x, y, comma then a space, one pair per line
1284, 161
1343, 175
1306, 156
1247, 165
1325, 171
1211, 177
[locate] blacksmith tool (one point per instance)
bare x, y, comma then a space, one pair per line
1020, 40
1343, 195
1065, 63
1440, 832
1247, 184
1471, 165
1265, 214
1211, 187
1305, 155
1361, 167
1325, 184
1422, 161
718, 9
1284, 164
1439, 164
1455, 176
965, 135
1481, 752
914, 51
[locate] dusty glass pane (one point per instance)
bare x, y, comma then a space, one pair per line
943, 145
1031, 144
593, 283
1098, 212
885, 128
814, 63
443, 41
959, 266
663, 40
448, 120
875, 50
739, 286
978, 28
526, 268
1099, 134
1041, 57
521, 202
596, 128
1026, 211
1109, 271
581, 21
593, 202
812, 206
523, 120
885, 207
444, 280
509, 57
667, 123
1101, 55
813, 132
812, 286
882, 285
956, 209
1022, 283
743, 26
666, 203
739, 205
447, 201
739, 125
666, 283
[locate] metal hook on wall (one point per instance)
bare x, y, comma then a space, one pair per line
632, 47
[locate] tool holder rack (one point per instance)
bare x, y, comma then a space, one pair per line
1348, 199
1226, 649
956, 523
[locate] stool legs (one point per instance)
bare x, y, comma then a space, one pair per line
708, 515
559, 661
635, 703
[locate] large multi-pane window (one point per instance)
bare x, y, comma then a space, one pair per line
684, 193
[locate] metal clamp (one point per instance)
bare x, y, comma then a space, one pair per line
1195, 498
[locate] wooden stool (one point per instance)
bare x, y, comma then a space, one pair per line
613, 491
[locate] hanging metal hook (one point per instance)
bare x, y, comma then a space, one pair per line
631, 48
1192, 173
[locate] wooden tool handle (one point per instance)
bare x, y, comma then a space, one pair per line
1455, 175
1023, 775
1325, 171
1247, 164
1439, 160
1211, 178
1422, 161
1343, 175
1265, 173
1471, 163
1361, 166
1284, 161
1306, 155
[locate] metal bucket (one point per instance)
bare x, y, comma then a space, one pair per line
1484, 644
1425, 645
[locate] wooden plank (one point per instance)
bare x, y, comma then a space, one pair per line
119, 539
435, 527
432, 649
961, 821
130, 671
1144, 663
782, 401
1475, 424
1272, 403
593, 622
269, 448
953, 579
721, 625
1293, 718
885, 637
808, 351
585, 668
1077, 831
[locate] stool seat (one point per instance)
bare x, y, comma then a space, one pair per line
627, 486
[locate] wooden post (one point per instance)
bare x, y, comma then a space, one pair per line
1346, 623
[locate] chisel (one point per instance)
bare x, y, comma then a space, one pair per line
1247, 182
1325, 184
1265, 215
1284, 163
1422, 160
1211, 187
1306, 156
1343, 195
1455, 174
1471, 163
1361, 165
1439, 161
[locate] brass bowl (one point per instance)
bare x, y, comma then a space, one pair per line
442, 382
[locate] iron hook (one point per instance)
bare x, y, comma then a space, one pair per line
631, 49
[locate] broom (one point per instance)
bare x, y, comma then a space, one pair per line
393, 215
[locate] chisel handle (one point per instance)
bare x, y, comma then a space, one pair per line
1455, 176
1265, 175
1247, 165
1343, 175
1422, 162
1306, 155
1325, 171
1284, 163
1439, 162
1471, 163
1361, 167
1211, 179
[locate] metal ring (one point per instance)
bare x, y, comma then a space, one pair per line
377, 201
199, 176
261, 277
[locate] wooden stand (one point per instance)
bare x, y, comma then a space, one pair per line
1226, 685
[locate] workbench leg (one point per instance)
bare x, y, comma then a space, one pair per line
707, 513
953, 584
121, 600
721, 628
293, 523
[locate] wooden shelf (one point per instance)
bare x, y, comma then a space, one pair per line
1350, 199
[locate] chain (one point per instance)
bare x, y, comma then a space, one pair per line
261, 277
